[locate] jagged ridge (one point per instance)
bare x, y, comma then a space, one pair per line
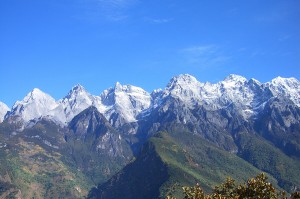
126, 103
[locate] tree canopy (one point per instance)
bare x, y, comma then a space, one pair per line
257, 187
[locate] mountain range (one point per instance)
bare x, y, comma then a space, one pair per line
185, 133
124, 103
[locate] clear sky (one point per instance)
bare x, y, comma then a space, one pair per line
55, 44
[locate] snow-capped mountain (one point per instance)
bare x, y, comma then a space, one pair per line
77, 100
120, 104
34, 105
125, 103
233, 89
249, 95
185, 87
288, 87
3, 110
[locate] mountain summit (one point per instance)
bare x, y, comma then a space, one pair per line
77, 100
34, 105
124, 102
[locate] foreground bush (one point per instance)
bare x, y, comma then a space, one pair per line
257, 187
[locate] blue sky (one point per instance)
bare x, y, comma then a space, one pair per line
55, 44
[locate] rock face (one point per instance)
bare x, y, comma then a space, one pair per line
279, 122
92, 127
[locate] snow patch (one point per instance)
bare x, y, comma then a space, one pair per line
3, 111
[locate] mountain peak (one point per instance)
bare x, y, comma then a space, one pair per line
89, 121
291, 84
254, 80
235, 78
184, 80
36, 91
34, 105
281, 81
91, 110
118, 87
78, 88
184, 87
124, 102
35, 94
77, 100
289, 87
128, 89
